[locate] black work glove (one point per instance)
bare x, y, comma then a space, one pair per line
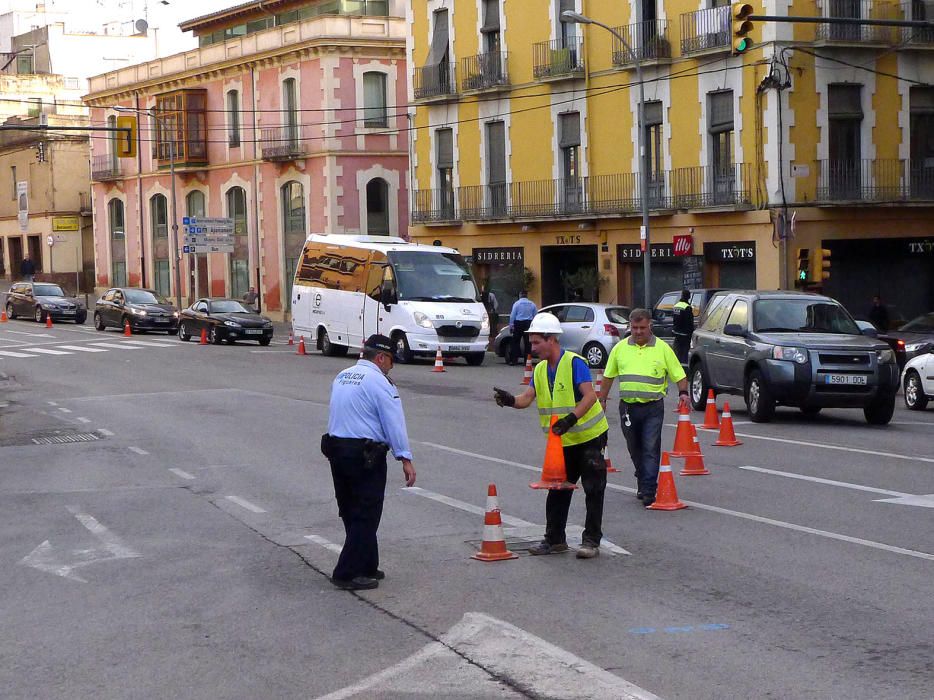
503, 397
562, 425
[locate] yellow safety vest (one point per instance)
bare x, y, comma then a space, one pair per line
560, 401
643, 376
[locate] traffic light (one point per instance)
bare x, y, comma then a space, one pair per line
742, 26
126, 140
804, 266
820, 262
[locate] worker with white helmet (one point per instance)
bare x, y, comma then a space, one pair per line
562, 385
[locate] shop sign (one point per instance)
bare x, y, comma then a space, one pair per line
683, 245
735, 252
498, 256
568, 239
925, 247
632, 252
64, 223
693, 271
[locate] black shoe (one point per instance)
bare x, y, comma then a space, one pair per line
648, 499
544, 547
379, 575
357, 583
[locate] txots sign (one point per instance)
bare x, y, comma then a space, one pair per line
735, 252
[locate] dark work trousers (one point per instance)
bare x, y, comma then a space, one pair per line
584, 462
359, 488
520, 336
682, 345
644, 440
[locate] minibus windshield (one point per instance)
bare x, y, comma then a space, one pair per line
426, 276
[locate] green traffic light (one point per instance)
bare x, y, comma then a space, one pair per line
742, 45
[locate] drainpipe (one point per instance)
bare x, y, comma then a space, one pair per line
255, 139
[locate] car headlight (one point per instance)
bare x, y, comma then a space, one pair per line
485, 322
138, 312
913, 347
231, 324
267, 324
48, 307
886, 356
789, 353
422, 320
175, 314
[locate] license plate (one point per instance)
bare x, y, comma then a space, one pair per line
853, 379
161, 320
458, 348
253, 331
68, 312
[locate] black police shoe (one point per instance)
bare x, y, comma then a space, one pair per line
357, 583
379, 575
648, 499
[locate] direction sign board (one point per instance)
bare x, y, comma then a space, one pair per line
208, 234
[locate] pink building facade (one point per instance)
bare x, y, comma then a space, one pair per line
289, 129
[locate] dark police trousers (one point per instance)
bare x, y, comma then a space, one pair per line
519, 347
682, 347
584, 462
644, 440
359, 485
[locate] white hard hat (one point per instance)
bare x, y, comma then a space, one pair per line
546, 324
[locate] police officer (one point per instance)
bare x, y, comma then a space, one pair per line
562, 386
366, 420
683, 326
520, 317
644, 365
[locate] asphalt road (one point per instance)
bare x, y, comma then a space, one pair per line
167, 524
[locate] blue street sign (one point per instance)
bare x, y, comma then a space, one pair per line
185, 220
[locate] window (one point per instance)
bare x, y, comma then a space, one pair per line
158, 212
496, 166
444, 142
236, 209
25, 64
740, 314
844, 120
290, 110
437, 77
579, 314
492, 38
181, 126
293, 208
721, 145
652, 116
162, 281
233, 118
115, 219
377, 207
921, 141
238, 260
13, 178
715, 315
112, 141
194, 203
569, 141
374, 100
568, 29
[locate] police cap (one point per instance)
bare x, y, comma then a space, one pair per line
379, 342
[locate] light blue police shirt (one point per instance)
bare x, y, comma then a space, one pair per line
523, 310
365, 404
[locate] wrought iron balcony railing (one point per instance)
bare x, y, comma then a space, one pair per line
917, 11
105, 167
711, 186
648, 41
439, 80
855, 33
284, 143
704, 30
434, 206
558, 58
484, 71
883, 180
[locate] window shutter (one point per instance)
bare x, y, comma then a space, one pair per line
721, 111
490, 16
843, 102
496, 147
652, 113
570, 125
921, 100
445, 141
439, 39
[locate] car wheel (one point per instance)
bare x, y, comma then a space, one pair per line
810, 410
881, 410
595, 354
40, 316
475, 359
759, 399
403, 351
79, 320
265, 341
915, 399
10, 312
699, 387
328, 348
99, 322
183, 333
213, 336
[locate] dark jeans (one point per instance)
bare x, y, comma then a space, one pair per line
682, 345
644, 440
359, 486
584, 462
520, 336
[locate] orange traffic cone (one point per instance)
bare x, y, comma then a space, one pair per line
48, 320
667, 496
527, 376
3, 318
127, 331
610, 469
683, 443
291, 337
493, 547
554, 473
694, 463
204, 337
439, 362
711, 420
301, 346
727, 436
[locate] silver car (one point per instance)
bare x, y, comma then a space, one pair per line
589, 329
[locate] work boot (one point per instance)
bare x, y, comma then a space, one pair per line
544, 547
648, 499
357, 583
588, 551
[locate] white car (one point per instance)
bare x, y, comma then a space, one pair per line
918, 379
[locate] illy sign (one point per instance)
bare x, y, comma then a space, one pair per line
683, 245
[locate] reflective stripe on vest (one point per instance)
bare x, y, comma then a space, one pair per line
560, 401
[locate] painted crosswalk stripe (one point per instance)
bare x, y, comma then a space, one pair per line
47, 351
8, 353
118, 346
148, 343
243, 503
81, 348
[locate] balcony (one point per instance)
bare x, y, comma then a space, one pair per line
875, 181
711, 186
854, 34
104, 168
436, 83
648, 41
916, 37
486, 71
558, 59
433, 206
706, 30
284, 143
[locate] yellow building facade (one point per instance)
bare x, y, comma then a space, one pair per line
524, 147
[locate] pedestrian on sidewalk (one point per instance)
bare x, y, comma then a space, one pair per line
27, 269
365, 422
521, 315
250, 298
683, 326
562, 386
644, 365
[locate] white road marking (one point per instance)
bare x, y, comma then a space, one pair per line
912, 422
81, 348
925, 501
32, 335
104, 431
64, 410
715, 509
327, 544
9, 353
52, 403
47, 351
243, 503
181, 473
118, 346
828, 482
149, 344
501, 650
81, 419
137, 450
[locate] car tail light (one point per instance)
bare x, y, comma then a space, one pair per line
610, 329
900, 344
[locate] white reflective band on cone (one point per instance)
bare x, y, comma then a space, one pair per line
664, 468
493, 533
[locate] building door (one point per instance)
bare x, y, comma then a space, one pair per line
569, 273
35, 252
16, 256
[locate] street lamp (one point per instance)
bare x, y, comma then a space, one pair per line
577, 18
178, 253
